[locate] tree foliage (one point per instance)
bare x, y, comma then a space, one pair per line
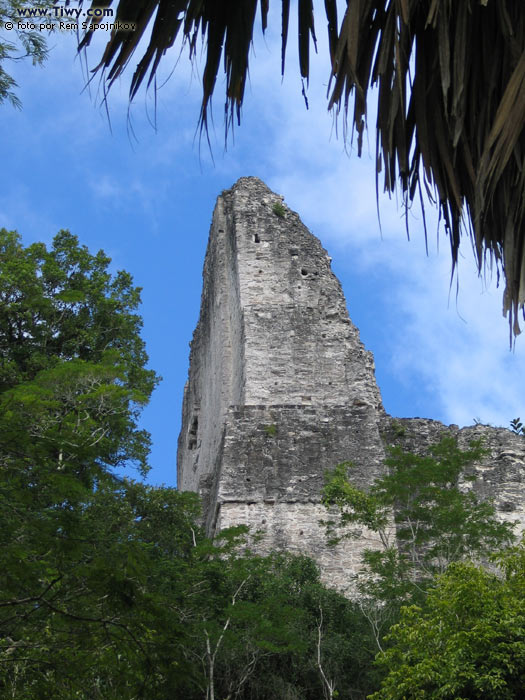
132, 601
466, 641
72, 383
83, 607
450, 99
424, 520
108, 587
73, 374
17, 44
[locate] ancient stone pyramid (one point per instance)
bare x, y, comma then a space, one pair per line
281, 389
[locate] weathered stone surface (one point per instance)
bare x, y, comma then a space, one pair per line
281, 389
295, 527
500, 476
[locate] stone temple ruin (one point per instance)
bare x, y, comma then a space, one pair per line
281, 389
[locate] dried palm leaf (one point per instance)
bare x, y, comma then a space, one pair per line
458, 130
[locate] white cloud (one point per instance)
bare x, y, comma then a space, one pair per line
455, 351
462, 354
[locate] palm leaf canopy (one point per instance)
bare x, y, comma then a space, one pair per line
451, 96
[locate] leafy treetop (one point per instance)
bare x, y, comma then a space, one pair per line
466, 640
73, 370
423, 519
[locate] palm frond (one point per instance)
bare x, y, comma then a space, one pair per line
451, 97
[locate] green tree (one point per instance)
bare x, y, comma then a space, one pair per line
287, 632
423, 520
104, 621
240, 616
72, 384
466, 641
137, 603
449, 121
17, 44
63, 304
108, 587
73, 370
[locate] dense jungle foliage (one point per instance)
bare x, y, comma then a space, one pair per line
109, 588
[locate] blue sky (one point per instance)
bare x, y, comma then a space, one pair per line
146, 197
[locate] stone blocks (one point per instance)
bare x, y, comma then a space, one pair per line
281, 389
